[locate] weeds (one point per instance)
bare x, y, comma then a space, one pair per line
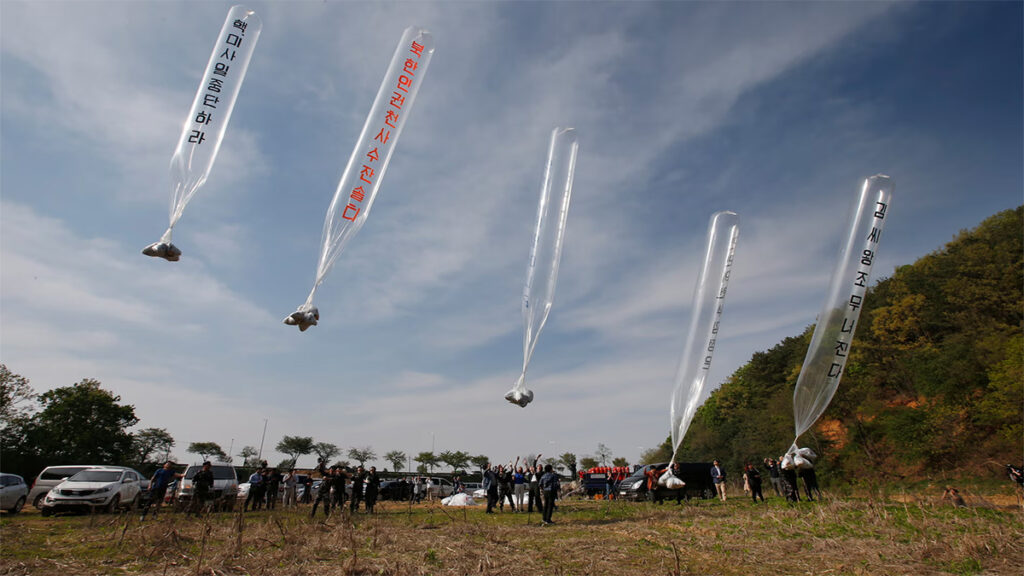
855, 536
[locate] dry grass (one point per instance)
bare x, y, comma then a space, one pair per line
850, 536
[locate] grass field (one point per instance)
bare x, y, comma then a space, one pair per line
851, 535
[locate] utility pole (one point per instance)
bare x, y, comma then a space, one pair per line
264, 437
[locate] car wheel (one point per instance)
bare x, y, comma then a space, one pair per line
46, 512
114, 503
18, 506
135, 503
38, 502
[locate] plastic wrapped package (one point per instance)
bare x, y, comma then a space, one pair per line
546, 252
360, 182
705, 322
207, 120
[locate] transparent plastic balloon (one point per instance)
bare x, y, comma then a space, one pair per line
364, 172
833, 334
548, 237
207, 120
706, 313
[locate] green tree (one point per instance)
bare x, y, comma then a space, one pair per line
16, 397
250, 457
397, 459
151, 443
620, 462
207, 450
362, 455
569, 461
326, 450
428, 460
479, 461
588, 462
456, 459
83, 423
295, 446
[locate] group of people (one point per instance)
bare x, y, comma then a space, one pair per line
784, 481
333, 491
202, 488
535, 485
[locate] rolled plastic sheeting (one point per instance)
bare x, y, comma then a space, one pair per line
546, 252
365, 170
207, 120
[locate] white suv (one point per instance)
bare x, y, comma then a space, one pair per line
104, 488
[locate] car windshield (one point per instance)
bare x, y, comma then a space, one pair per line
96, 476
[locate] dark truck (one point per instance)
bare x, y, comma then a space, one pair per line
696, 475
595, 481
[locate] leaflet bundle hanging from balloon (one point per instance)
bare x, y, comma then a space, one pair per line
548, 237
691, 383
364, 172
833, 334
207, 120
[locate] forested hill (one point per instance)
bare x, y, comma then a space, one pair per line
934, 382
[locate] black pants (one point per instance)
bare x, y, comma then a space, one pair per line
534, 494
549, 504
255, 496
324, 495
755, 491
357, 496
492, 498
506, 493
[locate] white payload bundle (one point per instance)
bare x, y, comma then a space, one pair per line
670, 481
459, 499
799, 458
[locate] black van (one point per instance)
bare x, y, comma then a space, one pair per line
696, 475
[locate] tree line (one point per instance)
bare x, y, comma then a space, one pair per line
84, 423
934, 383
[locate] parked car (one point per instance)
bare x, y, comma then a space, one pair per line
440, 487
106, 488
49, 478
696, 475
225, 487
13, 492
399, 489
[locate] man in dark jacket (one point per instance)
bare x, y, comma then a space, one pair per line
549, 485
491, 488
202, 489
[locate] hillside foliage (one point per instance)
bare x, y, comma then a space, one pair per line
934, 383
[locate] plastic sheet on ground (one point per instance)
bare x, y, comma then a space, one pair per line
458, 500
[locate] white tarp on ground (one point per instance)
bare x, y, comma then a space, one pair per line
458, 500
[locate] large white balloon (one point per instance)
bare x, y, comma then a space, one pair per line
207, 121
364, 172
548, 237
705, 322
833, 334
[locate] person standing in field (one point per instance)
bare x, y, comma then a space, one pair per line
158, 484
549, 485
754, 480
254, 496
490, 482
773, 475
324, 492
291, 482
357, 489
372, 489
718, 477
202, 488
519, 483
534, 492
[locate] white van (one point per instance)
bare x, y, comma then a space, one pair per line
225, 486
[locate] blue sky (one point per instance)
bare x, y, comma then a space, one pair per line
776, 111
